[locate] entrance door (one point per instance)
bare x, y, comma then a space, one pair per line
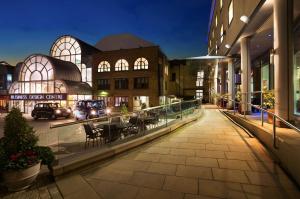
29, 106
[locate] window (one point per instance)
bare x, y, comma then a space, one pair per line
103, 84
216, 21
121, 83
104, 66
213, 33
199, 94
222, 33
121, 100
141, 82
121, 65
221, 4
141, 64
173, 77
230, 12
200, 78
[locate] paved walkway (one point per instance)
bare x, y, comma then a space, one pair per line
212, 158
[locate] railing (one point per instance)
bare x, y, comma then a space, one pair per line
275, 117
71, 138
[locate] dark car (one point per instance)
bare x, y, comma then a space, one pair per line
87, 109
50, 111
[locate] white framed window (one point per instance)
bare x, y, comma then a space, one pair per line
121, 65
199, 94
230, 12
103, 66
141, 64
200, 78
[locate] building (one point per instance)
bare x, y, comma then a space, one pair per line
46, 79
189, 79
261, 38
130, 71
6, 79
120, 69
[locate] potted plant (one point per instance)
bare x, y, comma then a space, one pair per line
124, 112
20, 157
269, 100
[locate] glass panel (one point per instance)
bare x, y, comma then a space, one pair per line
50, 75
36, 75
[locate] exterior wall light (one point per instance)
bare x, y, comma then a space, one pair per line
227, 46
244, 19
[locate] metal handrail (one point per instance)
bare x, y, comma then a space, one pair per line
275, 117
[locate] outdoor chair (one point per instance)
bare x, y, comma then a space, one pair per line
110, 133
91, 134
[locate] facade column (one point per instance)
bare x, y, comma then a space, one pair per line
223, 79
246, 74
283, 18
231, 93
216, 82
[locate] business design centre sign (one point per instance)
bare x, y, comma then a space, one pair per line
42, 97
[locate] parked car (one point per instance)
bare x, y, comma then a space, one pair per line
50, 111
87, 109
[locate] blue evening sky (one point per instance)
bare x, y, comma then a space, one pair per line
179, 27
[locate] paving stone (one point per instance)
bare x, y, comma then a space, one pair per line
233, 164
240, 156
230, 175
199, 140
113, 190
184, 152
205, 162
221, 189
158, 150
146, 193
217, 147
111, 174
210, 154
259, 178
254, 191
147, 157
186, 145
162, 168
149, 180
194, 172
192, 196
181, 184
133, 165
172, 159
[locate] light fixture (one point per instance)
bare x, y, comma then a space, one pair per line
244, 19
227, 46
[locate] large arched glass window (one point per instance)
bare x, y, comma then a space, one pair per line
104, 66
121, 65
141, 64
36, 68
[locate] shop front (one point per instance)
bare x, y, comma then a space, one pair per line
46, 79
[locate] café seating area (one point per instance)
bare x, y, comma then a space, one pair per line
116, 128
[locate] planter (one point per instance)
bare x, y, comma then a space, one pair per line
16, 180
270, 117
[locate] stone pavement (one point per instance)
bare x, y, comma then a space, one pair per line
211, 158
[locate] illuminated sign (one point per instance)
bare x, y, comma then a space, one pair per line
62, 96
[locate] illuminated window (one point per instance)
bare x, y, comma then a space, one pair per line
230, 12
121, 65
222, 33
104, 66
200, 78
221, 4
141, 64
199, 94
216, 21
121, 100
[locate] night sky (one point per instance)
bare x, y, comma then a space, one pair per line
179, 27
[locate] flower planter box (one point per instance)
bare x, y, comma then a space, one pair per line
16, 180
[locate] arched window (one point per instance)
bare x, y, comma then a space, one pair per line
36, 68
104, 66
141, 64
121, 65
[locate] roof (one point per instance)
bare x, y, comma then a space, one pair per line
78, 88
122, 41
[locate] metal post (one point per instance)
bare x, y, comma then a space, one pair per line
261, 106
245, 105
180, 109
274, 132
234, 107
166, 116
